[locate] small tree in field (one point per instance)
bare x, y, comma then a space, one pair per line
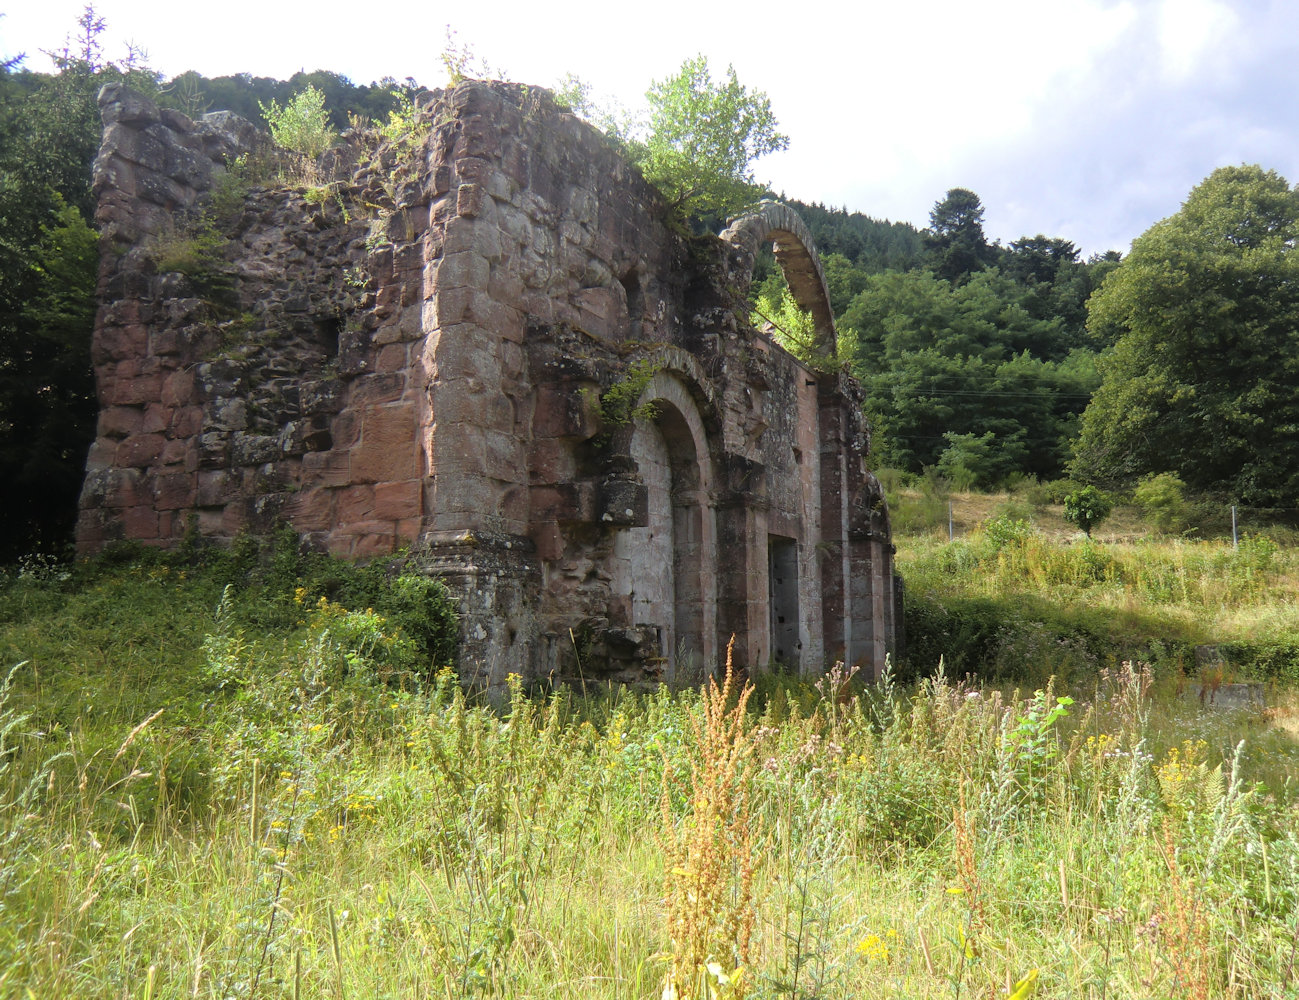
1087, 508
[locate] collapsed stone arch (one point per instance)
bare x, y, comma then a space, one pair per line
796, 254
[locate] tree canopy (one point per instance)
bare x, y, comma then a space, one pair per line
703, 138
955, 242
1201, 381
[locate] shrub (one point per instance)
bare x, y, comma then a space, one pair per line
1162, 500
1005, 529
302, 125
1087, 508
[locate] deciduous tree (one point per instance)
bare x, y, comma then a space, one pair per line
1202, 381
703, 138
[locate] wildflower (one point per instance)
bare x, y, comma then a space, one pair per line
874, 948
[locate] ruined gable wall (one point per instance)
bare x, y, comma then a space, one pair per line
416, 355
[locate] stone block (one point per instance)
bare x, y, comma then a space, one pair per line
450, 306
311, 510
603, 311
391, 359
389, 448
459, 500
370, 390
465, 269
502, 319
464, 402
566, 411
398, 501
178, 388
480, 236
187, 421
469, 200
374, 545
464, 352
551, 460
215, 487
118, 343
623, 501
548, 539
176, 491
157, 418
326, 468
345, 429
140, 522
139, 451
100, 455
563, 502
120, 421
177, 452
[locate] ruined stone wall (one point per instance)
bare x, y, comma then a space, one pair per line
427, 349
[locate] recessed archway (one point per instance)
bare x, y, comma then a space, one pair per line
670, 561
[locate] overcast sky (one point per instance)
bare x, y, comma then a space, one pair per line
1085, 119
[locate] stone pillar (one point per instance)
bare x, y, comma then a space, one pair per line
495, 579
836, 614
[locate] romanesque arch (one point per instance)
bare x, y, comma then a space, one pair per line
797, 256
668, 565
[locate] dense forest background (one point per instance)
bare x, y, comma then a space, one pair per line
979, 360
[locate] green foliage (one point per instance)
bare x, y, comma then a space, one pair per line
868, 245
229, 191
620, 403
1004, 530
609, 117
969, 360
791, 327
49, 135
1162, 499
1200, 382
968, 461
302, 124
954, 242
361, 839
461, 62
703, 137
1087, 508
405, 127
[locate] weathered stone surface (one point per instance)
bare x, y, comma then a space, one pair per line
516, 366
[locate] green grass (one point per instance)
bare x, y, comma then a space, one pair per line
308, 818
1011, 599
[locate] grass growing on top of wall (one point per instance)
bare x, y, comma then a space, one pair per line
217, 791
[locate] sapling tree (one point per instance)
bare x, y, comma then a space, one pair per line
302, 124
1087, 508
703, 138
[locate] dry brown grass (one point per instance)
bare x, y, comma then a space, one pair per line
710, 858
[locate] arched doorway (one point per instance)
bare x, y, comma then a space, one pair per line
669, 570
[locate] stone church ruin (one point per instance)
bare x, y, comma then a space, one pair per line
489, 348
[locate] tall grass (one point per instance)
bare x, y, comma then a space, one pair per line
296, 823
1009, 599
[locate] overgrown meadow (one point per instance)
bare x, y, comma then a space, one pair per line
244, 776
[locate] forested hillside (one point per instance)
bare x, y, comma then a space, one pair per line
976, 357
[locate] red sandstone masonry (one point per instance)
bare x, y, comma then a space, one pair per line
442, 390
